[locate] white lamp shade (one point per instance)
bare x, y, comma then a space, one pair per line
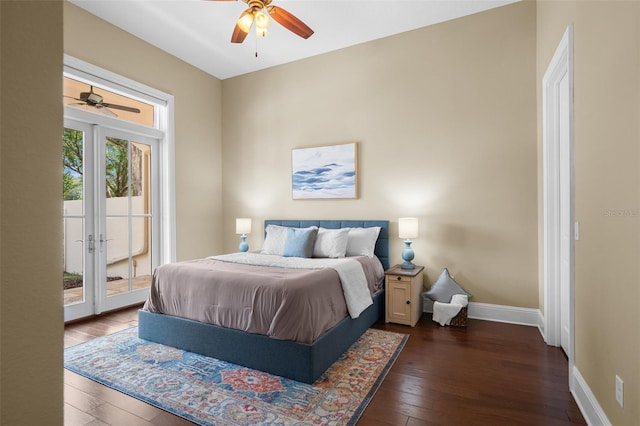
408, 227
243, 225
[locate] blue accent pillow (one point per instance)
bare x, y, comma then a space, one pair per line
299, 242
444, 288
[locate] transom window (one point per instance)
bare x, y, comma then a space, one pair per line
75, 94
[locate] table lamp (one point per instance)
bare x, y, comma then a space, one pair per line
243, 226
407, 229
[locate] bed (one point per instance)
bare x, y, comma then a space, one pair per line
300, 361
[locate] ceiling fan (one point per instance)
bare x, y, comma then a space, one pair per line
92, 99
255, 13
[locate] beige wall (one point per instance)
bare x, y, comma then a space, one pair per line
197, 121
607, 196
31, 331
445, 121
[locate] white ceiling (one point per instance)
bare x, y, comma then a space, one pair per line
198, 31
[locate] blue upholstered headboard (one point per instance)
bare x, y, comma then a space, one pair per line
382, 245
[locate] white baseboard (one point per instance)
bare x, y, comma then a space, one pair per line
498, 313
591, 410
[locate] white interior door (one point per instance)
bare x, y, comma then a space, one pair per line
566, 217
559, 231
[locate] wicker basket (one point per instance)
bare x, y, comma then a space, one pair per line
460, 320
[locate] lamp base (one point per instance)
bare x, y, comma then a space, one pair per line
407, 265
407, 255
243, 244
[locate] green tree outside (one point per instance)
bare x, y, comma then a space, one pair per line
117, 166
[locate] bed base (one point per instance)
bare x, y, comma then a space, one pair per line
298, 361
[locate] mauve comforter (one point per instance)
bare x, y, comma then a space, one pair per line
283, 303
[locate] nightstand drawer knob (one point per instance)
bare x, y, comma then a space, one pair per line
408, 302
399, 278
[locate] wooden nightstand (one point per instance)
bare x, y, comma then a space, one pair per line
403, 288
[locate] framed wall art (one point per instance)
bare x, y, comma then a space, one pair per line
325, 172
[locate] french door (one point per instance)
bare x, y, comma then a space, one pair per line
111, 220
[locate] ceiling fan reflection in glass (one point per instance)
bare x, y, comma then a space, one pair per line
92, 98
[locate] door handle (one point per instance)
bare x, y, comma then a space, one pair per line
102, 241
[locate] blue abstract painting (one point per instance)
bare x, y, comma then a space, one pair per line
324, 172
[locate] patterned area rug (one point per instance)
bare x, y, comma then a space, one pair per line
208, 391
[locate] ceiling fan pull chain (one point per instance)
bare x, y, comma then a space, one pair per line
256, 47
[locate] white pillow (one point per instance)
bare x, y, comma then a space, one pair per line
362, 241
331, 242
275, 239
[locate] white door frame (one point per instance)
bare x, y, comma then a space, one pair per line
561, 65
163, 130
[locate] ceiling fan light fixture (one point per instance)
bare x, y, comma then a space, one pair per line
245, 22
262, 23
256, 11
94, 98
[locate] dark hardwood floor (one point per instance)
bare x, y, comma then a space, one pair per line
484, 374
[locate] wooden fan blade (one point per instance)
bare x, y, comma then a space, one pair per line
121, 107
239, 34
289, 21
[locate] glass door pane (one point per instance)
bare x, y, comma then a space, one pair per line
78, 240
128, 218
